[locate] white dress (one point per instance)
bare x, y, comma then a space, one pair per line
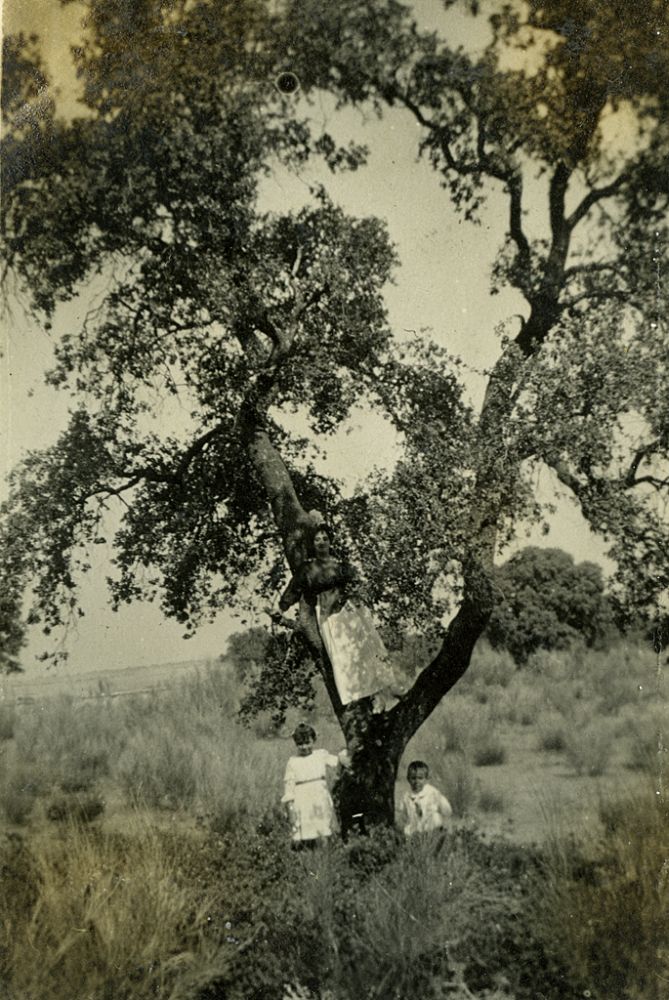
359, 659
306, 787
424, 811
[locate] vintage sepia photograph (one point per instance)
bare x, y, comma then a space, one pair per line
334, 500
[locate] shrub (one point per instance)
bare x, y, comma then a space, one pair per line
459, 722
107, 916
460, 786
16, 802
239, 778
77, 739
648, 733
75, 808
489, 668
552, 733
491, 801
7, 722
606, 920
489, 751
158, 768
20, 786
589, 746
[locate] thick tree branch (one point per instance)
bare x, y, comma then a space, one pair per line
599, 295
578, 270
641, 455
659, 484
594, 196
453, 658
515, 188
556, 202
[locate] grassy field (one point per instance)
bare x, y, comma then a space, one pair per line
143, 853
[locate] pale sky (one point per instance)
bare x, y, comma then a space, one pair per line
443, 283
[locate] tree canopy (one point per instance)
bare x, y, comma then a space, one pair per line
544, 600
246, 316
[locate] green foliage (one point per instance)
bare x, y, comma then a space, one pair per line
546, 601
277, 671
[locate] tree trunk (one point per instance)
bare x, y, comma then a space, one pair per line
365, 794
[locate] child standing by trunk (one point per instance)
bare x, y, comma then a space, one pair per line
423, 807
306, 793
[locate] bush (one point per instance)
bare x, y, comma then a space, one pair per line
7, 722
16, 801
489, 751
428, 918
77, 739
552, 733
606, 920
75, 808
106, 917
158, 768
20, 786
489, 668
460, 786
459, 723
491, 801
589, 746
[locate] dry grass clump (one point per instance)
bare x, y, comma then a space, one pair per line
240, 778
552, 732
589, 746
457, 718
7, 722
606, 918
78, 739
459, 785
490, 801
75, 808
489, 751
491, 667
158, 767
521, 703
647, 735
18, 794
102, 917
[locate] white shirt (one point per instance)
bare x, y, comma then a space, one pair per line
424, 811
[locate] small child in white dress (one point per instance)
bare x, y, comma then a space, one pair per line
306, 793
424, 808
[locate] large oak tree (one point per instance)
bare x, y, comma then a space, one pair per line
245, 315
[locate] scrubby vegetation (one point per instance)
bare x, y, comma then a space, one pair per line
144, 853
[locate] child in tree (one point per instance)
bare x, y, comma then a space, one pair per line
306, 793
423, 808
